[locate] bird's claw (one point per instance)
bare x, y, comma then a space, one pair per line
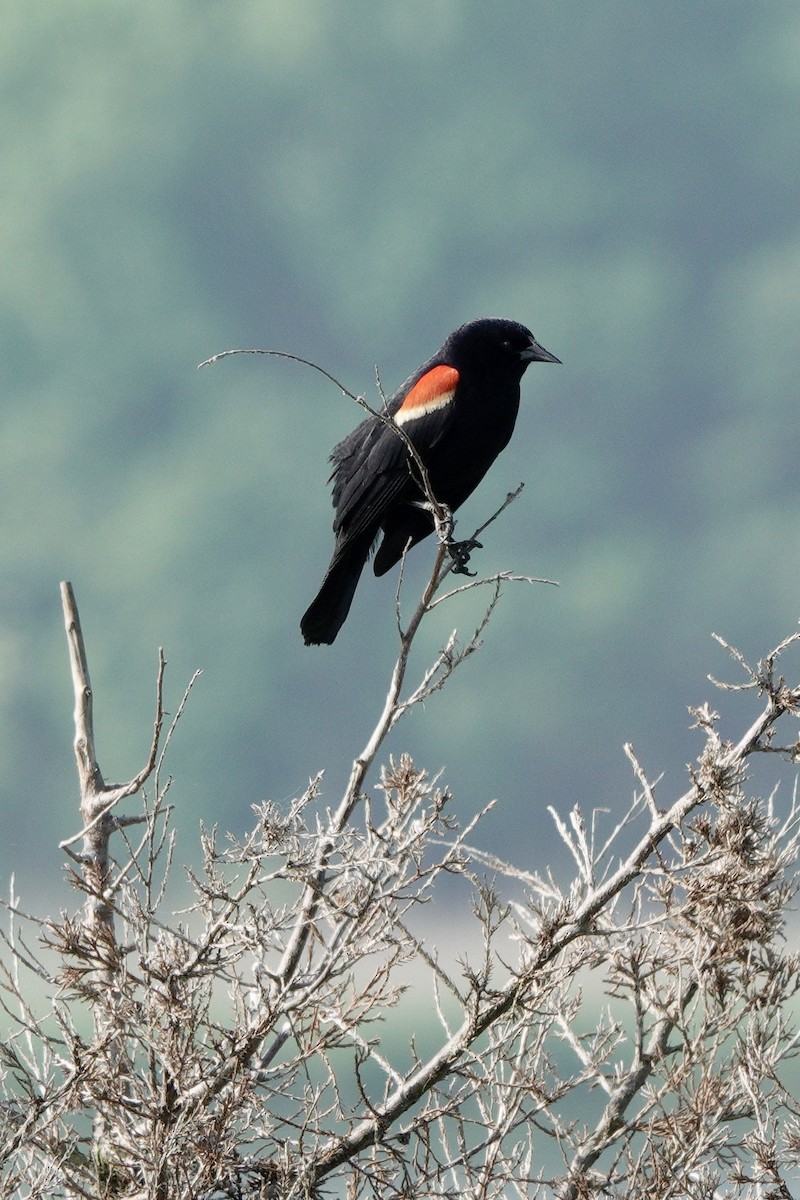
460, 554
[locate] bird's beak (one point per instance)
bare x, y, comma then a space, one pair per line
537, 353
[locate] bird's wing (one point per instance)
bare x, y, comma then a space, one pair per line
371, 464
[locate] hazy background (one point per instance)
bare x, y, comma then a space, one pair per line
348, 183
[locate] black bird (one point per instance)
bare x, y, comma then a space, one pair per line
458, 410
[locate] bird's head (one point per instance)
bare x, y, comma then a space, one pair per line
504, 344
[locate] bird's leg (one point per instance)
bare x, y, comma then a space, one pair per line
443, 522
459, 552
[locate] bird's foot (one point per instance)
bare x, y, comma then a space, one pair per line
460, 553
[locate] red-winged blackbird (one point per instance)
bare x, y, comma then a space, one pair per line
458, 409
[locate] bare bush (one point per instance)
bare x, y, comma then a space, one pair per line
292, 1032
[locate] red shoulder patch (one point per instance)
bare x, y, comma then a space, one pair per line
434, 390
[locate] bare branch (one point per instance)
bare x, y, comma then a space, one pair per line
300, 1024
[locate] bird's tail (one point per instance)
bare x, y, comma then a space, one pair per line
328, 611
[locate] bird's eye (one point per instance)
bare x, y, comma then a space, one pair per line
506, 344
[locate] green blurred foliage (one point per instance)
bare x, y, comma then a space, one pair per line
348, 183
